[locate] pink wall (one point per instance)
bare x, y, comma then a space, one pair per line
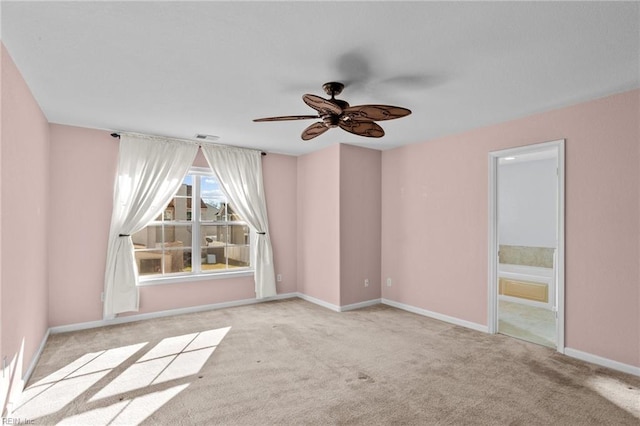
435, 221
24, 217
319, 224
280, 188
360, 243
339, 224
83, 166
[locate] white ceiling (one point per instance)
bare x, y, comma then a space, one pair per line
181, 68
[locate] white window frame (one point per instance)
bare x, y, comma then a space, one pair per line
196, 273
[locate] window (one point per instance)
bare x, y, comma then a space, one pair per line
186, 241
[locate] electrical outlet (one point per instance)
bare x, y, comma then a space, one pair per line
279, 278
388, 282
366, 282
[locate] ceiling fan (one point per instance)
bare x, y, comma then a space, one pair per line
333, 112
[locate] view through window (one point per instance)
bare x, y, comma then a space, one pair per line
184, 240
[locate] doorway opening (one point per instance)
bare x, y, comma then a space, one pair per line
526, 243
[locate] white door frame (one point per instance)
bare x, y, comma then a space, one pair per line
492, 321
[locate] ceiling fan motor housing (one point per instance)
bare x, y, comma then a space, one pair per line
333, 88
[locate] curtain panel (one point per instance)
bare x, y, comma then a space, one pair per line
240, 174
150, 171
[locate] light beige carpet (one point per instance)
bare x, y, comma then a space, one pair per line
293, 363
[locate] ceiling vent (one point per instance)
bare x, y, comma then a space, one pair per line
210, 138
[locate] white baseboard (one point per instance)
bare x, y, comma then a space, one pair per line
366, 303
574, 353
202, 308
15, 387
167, 313
603, 362
319, 302
435, 315
336, 308
36, 357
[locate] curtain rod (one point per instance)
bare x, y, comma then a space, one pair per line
117, 135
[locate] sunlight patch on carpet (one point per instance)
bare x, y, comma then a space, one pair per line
127, 412
171, 359
621, 394
61, 387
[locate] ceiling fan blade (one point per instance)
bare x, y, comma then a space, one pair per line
368, 129
375, 112
321, 105
316, 129
287, 117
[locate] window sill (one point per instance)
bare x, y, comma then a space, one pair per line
143, 282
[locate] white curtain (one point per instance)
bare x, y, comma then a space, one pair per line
150, 171
240, 174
